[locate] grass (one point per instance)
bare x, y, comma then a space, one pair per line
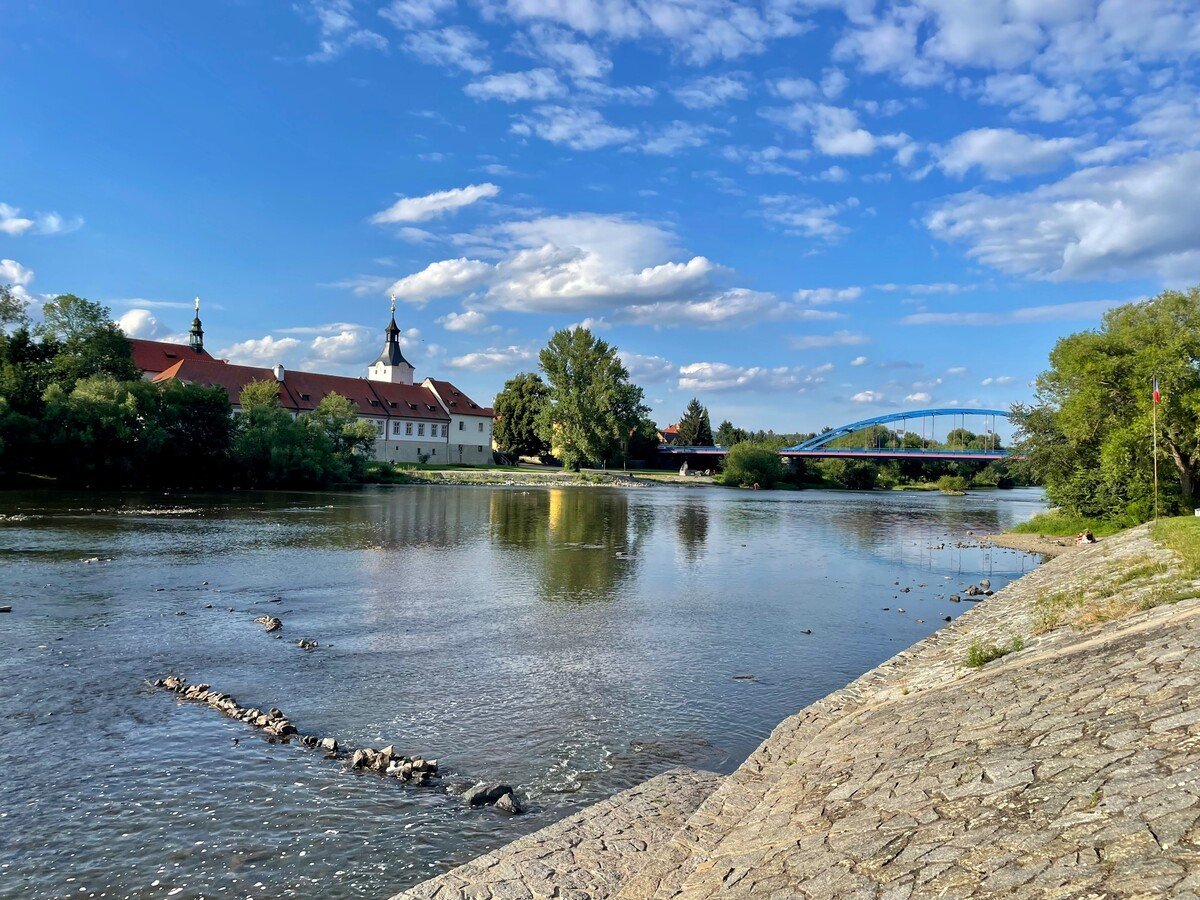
1182, 535
1052, 610
979, 655
1059, 524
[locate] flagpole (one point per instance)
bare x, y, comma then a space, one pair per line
1154, 404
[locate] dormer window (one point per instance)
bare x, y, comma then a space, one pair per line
373, 402
305, 397
171, 355
454, 403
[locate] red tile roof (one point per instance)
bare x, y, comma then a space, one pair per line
459, 403
158, 356
302, 391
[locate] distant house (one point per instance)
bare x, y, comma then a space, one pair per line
668, 435
432, 421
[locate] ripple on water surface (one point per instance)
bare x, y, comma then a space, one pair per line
570, 641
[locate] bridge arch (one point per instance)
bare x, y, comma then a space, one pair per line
819, 445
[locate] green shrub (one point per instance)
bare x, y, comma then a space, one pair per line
748, 464
952, 484
979, 655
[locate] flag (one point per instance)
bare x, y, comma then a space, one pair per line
1157, 395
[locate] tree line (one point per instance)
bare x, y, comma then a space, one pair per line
74, 410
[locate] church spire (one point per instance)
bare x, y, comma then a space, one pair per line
196, 334
391, 364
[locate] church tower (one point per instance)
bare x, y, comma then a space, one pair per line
196, 334
391, 365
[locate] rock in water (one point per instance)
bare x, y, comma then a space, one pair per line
509, 804
484, 794
269, 623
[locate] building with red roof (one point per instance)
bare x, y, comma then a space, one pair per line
428, 422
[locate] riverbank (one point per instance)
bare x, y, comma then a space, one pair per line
1046, 545
1041, 745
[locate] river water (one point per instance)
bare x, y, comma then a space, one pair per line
572, 642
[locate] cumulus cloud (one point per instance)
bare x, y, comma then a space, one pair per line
579, 129
867, 397
494, 358
140, 323
12, 272
918, 397
1000, 380
264, 351
712, 90
767, 160
1101, 222
13, 223
441, 279
821, 341
557, 45
347, 346
712, 377
821, 296
454, 47
408, 14
510, 87
470, 321
1000, 153
647, 369
676, 136
859, 361
435, 205
1030, 97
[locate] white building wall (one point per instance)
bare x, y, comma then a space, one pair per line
407, 440
470, 439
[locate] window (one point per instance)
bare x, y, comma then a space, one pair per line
408, 428
481, 449
481, 426
396, 428
461, 424
421, 428
379, 428
445, 431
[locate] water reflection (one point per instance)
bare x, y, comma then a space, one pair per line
691, 524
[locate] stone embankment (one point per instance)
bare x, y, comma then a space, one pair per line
1045, 744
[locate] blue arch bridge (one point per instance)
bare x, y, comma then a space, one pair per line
901, 435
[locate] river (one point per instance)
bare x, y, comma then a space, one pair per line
572, 642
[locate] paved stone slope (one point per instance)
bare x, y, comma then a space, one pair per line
1063, 770
584, 857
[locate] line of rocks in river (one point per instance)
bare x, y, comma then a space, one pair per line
416, 770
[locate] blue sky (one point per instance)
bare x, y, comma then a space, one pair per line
801, 212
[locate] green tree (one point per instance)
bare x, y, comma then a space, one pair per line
593, 408
519, 407
695, 429
855, 474
87, 342
1087, 436
351, 441
13, 309
748, 464
271, 448
197, 429
727, 435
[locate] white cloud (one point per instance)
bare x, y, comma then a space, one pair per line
676, 136
859, 361
409, 14
432, 206
1103, 222
471, 321
836, 131
867, 397
494, 358
794, 88
347, 346
1002, 379
264, 351
821, 296
455, 47
647, 369
442, 279
712, 377
12, 272
699, 31
140, 323
1084, 309
338, 30
510, 87
13, 223
918, 397
555, 45
1001, 153
1029, 97
712, 90
768, 160
821, 341
579, 129
806, 216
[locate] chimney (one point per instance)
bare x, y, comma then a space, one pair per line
278, 370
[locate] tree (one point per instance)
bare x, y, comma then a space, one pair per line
197, 428
520, 407
748, 464
87, 342
593, 408
13, 309
727, 435
695, 430
270, 447
1087, 436
350, 440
